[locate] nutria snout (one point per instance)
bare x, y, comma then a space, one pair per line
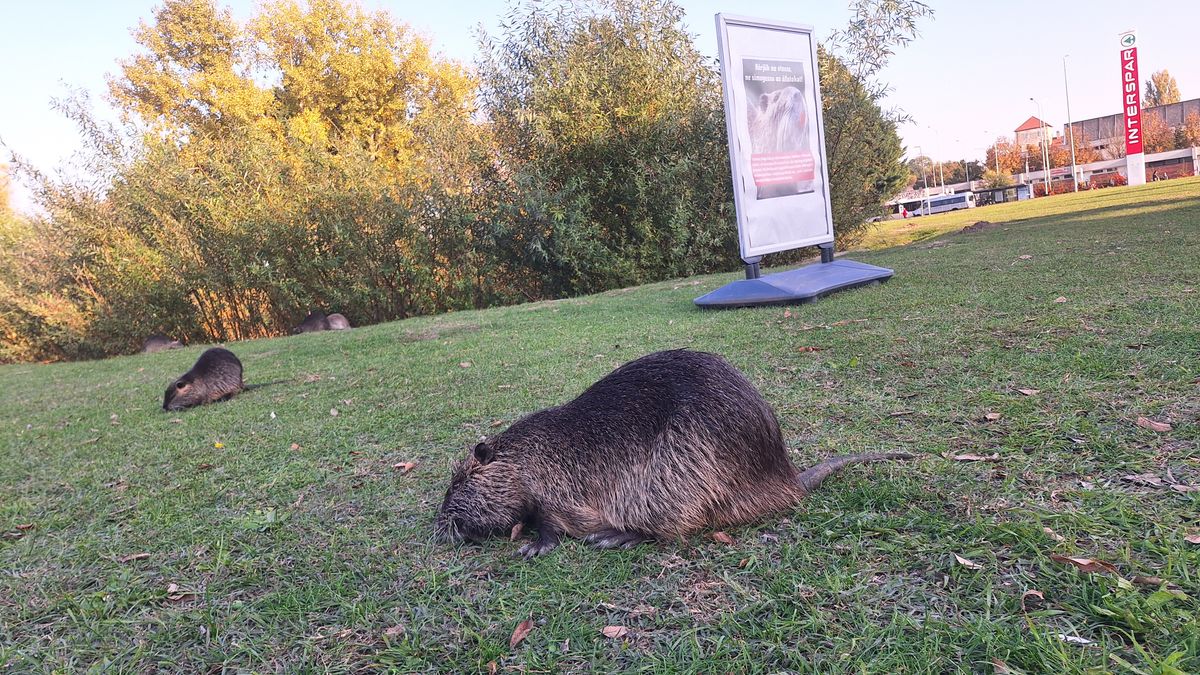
216, 376
664, 446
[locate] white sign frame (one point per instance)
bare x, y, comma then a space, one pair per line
778, 223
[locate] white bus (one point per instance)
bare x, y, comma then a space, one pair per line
942, 203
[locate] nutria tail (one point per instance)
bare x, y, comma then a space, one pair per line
811, 478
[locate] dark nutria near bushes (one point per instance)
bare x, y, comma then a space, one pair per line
159, 342
337, 322
664, 446
217, 376
315, 321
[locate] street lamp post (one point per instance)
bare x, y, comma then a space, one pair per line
1045, 149
1070, 127
924, 179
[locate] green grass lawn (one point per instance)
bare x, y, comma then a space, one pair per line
273, 534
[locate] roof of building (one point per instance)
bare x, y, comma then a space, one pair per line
1031, 124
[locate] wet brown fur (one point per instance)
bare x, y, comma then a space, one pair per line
158, 343
216, 376
316, 321
669, 444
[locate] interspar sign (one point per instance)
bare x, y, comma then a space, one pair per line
1131, 101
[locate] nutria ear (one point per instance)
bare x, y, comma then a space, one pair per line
484, 453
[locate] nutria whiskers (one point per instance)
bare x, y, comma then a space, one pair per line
667, 445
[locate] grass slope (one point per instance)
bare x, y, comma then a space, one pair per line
131, 542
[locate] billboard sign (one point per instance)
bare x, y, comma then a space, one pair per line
776, 136
1131, 96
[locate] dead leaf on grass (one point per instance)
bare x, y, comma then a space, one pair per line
1025, 257
493, 668
1151, 581
614, 632
994, 457
806, 349
295, 446
25, 527
516, 531
404, 467
496, 423
1074, 640
1031, 597
992, 417
1060, 299
969, 564
175, 595
1185, 488
847, 322
333, 412
205, 466
133, 556
521, 632
1144, 479
464, 364
787, 313
1147, 423
1192, 539
1085, 564
1053, 535
394, 631
1030, 392
722, 538
1000, 667
176, 420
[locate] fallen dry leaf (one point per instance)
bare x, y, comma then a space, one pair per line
464, 364
1144, 479
333, 412
295, 446
969, 564
404, 467
994, 457
1071, 639
787, 313
1192, 539
992, 417
809, 349
1025, 257
723, 538
1031, 597
218, 445
521, 632
176, 420
1147, 423
394, 631
496, 423
1060, 299
1148, 581
516, 531
205, 466
1085, 564
1185, 488
133, 556
615, 632
1053, 535
847, 322
1030, 392
493, 668
175, 595
24, 527
1000, 667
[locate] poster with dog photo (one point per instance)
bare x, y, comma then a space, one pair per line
776, 143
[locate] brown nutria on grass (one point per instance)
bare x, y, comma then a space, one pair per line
664, 446
159, 342
337, 322
315, 321
217, 376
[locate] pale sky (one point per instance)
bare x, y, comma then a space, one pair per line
968, 78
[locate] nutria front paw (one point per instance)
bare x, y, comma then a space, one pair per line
536, 548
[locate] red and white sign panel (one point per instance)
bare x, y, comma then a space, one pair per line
776, 139
1131, 96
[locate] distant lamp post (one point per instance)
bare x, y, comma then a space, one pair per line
924, 179
1043, 141
1070, 127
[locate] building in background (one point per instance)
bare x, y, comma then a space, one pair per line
1033, 132
1106, 134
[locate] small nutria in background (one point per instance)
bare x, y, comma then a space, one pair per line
337, 322
314, 322
217, 376
159, 342
664, 446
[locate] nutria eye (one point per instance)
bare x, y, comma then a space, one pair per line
180, 385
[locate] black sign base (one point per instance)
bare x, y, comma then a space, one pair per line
805, 284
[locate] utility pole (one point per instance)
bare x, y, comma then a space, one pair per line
1042, 141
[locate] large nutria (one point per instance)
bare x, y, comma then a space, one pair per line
664, 446
315, 321
159, 342
217, 376
337, 322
